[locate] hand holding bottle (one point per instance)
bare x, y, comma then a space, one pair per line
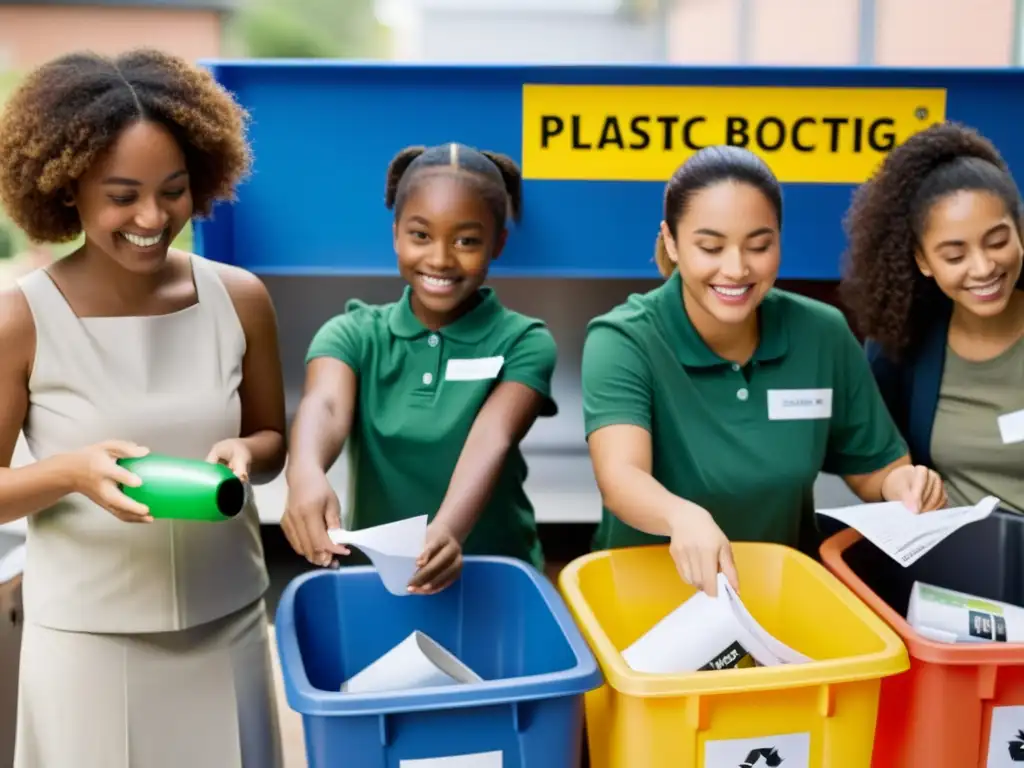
95, 473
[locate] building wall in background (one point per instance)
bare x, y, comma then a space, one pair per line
827, 32
925, 33
538, 36
519, 31
964, 33
704, 32
937, 33
33, 34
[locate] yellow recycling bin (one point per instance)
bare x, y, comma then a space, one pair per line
815, 715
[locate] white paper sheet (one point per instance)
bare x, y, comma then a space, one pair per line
701, 634
392, 548
904, 536
708, 634
416, 662
782, 652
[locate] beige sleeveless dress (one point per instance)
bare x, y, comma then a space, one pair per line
145, 645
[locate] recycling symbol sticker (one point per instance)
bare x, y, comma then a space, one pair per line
1006, 738
768, 756
1017, 748
785, 750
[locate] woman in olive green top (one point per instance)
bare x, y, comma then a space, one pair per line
712, 402
936, 284
434, 392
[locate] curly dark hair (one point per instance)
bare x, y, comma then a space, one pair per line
892, 303
68, 111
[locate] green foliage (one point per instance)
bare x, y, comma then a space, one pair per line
643, 10
351, 23
6, 242
9, 236
274, 32
313, 29
8, 80
184, 239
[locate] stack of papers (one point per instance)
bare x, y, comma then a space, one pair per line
906, 536
708, 634
948, 616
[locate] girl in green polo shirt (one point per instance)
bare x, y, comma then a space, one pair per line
434, 392
712, 402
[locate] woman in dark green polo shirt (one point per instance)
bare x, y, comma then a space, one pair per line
712, 402
433, 392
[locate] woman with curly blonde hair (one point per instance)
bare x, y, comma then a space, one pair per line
146, 640
934, 282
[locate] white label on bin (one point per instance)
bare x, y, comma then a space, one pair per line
477, 760
789, 750
1006, 738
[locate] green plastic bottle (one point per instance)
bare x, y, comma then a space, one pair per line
185, 489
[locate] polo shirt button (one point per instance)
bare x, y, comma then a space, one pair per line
742, 394
427, 378
433, 340
735, 366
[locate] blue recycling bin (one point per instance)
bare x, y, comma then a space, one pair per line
502, 618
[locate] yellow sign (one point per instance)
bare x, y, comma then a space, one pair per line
643, 133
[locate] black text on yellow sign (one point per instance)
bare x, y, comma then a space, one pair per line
643, 133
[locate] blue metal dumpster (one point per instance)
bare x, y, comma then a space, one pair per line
596, 144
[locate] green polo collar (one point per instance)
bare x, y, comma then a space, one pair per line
469, 329
691, 349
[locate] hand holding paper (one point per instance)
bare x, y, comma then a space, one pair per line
919, 488
903, 535
392, 548
700, 550
440, 562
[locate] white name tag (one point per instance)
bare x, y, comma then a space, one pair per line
473, 368
1011, 427
794, 404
